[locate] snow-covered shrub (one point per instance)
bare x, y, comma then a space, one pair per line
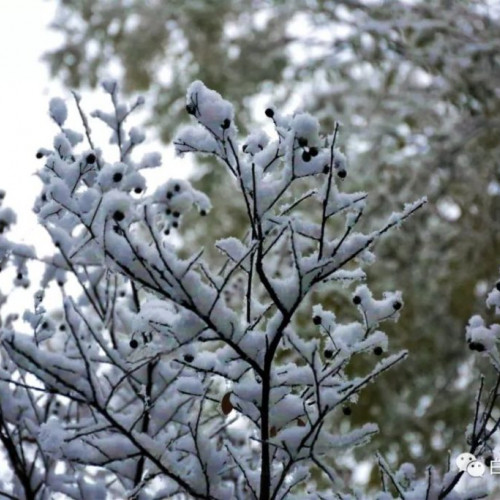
169, 377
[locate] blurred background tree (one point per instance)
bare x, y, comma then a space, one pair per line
415, 85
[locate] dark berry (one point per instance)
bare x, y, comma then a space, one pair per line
62, 327
60, 283
44, 197
342, 174
169, 195
356, 299
480, 347
117, 177
378, 351
328, 353
166, 232
39, 155
203, 213
306, 156
488, 460
90, 158
497, 286
118, 216
269, 112
397, 305
176, 214
317, 320
45, 325
226, 123
188, 358
19, 276
138, 190
133, 344
313, 151
476, 346
168, 211
346, 410
326, 169
302, 142
177, 188
190, 109
175, 224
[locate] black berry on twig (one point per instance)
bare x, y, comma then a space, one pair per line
118, 216
346, 410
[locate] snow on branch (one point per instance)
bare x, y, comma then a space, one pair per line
168, 374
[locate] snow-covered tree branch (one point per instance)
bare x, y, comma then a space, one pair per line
170, 376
